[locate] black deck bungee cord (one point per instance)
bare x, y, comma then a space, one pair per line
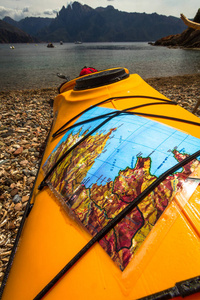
181, 289
118, 218
55, 134
110, 116
134, 113
43, 183
113, 223
104, 115
166, 117
28, 205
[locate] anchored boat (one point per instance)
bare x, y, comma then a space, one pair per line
114, 213
50, 45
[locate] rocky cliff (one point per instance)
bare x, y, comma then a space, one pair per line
81, 22
12, 34
189, 38
78, 22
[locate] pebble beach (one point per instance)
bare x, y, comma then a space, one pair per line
25, 119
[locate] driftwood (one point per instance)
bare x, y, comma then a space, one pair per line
196, 26
189, 23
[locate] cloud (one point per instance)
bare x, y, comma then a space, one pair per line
18, 14
15, 14
51, 12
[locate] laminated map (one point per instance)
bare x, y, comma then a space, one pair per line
110, 167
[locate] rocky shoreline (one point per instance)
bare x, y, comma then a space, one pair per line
24, 124
25, 119
188, 39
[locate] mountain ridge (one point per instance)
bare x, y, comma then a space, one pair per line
81, 22
12, 34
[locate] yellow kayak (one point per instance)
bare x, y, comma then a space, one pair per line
115, 209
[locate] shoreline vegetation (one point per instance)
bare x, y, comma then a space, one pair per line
25, 120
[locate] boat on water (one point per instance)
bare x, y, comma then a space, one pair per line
78, 42
50, 45
114, 212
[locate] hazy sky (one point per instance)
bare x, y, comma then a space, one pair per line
18, 9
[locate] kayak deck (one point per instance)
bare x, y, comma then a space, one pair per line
52, 236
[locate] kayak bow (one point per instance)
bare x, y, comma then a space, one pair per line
115, 205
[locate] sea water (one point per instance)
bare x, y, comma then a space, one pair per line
30, 66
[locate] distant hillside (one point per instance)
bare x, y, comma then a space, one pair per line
30, 25
12, 34
189, 38
81, 22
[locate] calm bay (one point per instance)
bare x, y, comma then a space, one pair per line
30, 66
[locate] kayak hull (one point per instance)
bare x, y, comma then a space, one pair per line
51, 236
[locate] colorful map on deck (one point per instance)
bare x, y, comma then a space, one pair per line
111, 167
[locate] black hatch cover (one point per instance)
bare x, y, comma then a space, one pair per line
101, 78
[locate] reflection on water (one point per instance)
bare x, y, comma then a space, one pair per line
36, 66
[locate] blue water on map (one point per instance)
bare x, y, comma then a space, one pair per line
133, 137
35, 66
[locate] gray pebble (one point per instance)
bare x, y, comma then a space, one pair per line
17, 198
